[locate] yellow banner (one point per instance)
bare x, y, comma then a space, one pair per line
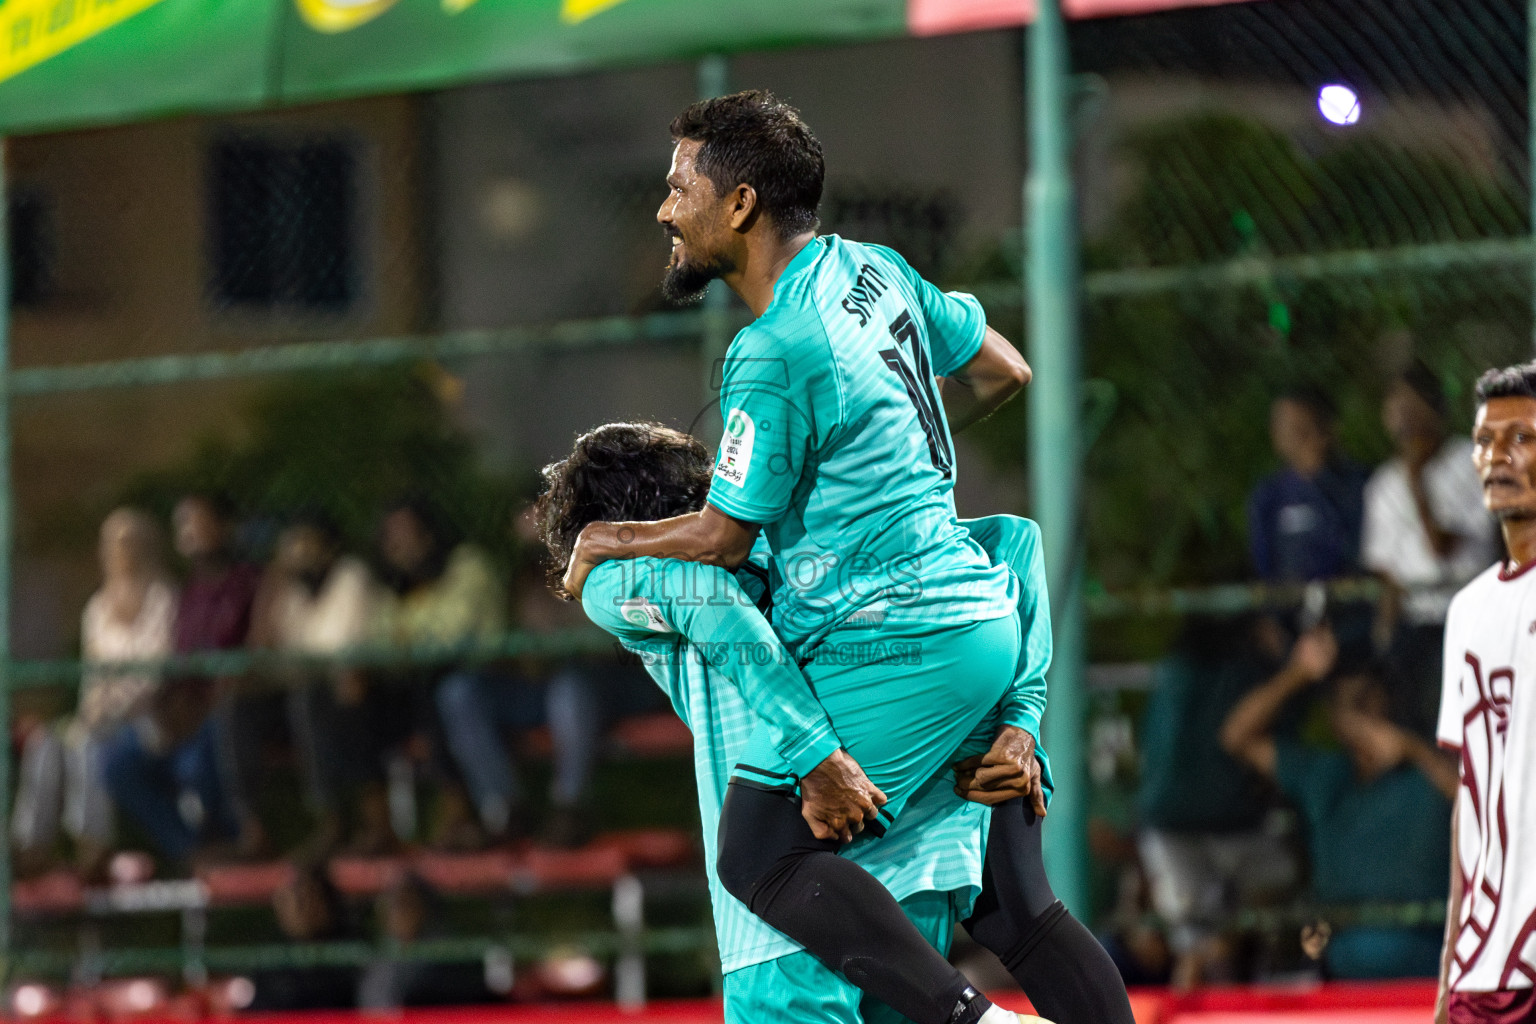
575, 11
31, 31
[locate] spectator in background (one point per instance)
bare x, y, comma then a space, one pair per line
309, 908
175, 747
408, 912
1304, 520
479, 708
320, 601
1202, 843
1377, 811
130, 618
441, 594
1426, 535
447, 594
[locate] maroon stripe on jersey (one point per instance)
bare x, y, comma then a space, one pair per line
1516, 961
1509, 1006
1485, 709
1506, 573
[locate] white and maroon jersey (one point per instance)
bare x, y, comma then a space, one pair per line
1488, 715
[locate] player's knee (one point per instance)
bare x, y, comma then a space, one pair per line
739, 862
1030, 935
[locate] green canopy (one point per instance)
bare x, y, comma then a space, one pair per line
70, 63
66, 63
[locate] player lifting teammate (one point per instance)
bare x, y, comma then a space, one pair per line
1488, 716
838, 450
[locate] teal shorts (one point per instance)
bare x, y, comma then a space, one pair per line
799, 989
906, 701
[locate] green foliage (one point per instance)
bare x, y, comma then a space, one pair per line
1209, 184
346, 444
1194, 370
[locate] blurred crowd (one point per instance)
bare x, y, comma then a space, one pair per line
1287, 760
183, 761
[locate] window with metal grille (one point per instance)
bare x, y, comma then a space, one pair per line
282, 228
31, 249
920, 225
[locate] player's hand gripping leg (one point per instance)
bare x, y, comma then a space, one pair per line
837, 799
1006, 771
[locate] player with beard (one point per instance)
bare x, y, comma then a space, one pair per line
837, 450
1488, 716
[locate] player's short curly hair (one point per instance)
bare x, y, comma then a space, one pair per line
753, 138
1517, 381
618, 472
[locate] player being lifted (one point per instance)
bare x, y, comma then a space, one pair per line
704, 635
1488, 716
838, 450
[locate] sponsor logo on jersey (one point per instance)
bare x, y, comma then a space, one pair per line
736, 449
637, 611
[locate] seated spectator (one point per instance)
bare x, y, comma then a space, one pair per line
408, 912
1304, 520
440, 594
308, 909
174, 749
1377, 811
1203, 847
316, 600
1426, 535
447, 594
130, 618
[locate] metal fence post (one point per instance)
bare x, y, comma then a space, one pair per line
6, 501
1053, 279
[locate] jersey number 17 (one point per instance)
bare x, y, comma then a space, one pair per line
917, 377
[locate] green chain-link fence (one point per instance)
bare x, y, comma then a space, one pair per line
332, 306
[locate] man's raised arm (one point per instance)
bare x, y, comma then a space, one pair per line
709, 536
994, 374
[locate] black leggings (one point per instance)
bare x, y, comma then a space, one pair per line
1055, 960
771, 861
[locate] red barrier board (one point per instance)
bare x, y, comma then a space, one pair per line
1383, 1003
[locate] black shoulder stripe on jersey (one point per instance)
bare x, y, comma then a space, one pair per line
788, 788
764, 771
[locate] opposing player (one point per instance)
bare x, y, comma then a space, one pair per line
1488, 715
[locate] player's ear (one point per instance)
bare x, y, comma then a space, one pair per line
743, 207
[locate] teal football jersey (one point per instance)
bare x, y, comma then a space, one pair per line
937, 845
836, 443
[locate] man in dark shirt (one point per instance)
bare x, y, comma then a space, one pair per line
177, 747
1377, 809
1304, 520
1202, 844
